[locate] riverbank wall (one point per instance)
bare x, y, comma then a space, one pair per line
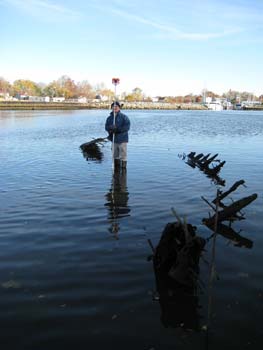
253, 108
26, 105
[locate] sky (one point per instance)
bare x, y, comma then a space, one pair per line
166, 48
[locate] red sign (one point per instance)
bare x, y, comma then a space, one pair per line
115, 81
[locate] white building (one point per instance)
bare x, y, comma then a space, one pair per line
82, 100
58, 99
5, 96
39, 98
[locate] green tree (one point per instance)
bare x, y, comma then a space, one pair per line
53, 90
136, 95
26, 87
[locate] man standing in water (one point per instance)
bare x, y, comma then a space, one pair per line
120, 130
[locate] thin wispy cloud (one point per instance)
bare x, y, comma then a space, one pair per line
171, 32
166, 31
46, 10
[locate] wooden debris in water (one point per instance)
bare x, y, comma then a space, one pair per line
226, 193
177, 256
206, 163
222, 212
176, 267
92, 150
229, 213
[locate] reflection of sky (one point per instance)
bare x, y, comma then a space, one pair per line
201, 131
209, 124
48, 146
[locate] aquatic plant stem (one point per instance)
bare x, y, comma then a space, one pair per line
212, 266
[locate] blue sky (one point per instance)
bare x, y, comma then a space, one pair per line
166, 47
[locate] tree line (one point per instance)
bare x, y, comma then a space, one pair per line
69, 89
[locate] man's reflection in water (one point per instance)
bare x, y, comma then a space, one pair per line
117, 201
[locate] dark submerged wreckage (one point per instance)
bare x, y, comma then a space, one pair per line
176, 268
229, 214
222, 212
92, 150
177, 254
176, 257
206, 163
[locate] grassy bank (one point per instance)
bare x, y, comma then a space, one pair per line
26, 105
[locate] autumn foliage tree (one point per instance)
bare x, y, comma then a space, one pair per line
84, 89
101, 89
5, 86
63, 87
26, 87
67, 86
136, 95
53, 90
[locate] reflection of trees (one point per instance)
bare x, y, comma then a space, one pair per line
117, 201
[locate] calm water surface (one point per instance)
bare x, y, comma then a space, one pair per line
73, 237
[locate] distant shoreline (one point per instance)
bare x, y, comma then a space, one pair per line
26, 105
29, 105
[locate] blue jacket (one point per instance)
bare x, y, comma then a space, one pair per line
122, 126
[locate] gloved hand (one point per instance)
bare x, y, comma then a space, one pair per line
114, 129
